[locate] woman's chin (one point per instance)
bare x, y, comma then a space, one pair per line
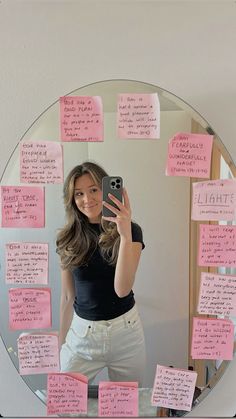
94, 218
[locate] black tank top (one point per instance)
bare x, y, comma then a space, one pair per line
95, 297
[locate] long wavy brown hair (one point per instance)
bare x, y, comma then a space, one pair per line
77, 241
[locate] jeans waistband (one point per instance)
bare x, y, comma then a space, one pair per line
122, 320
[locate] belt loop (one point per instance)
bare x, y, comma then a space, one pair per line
127, 318
124, 319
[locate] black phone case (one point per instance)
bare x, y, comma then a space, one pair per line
107, 188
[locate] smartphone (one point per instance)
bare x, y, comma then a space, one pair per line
113, 185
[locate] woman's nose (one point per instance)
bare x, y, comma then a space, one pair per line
87, 198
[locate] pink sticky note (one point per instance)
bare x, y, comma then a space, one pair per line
22, 206
173, 388
138, 115
217, 245
41, 162
67, 393
214, 200
212, 339
38, 353
118, 399
217, 294
189, 155
81, 118
29, 308
26, 263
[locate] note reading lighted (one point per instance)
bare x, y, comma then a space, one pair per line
214, 200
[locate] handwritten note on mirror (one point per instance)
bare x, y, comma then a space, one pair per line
67, 393
118, 399
217, 245
138, 115
22, 206
41, 162
29, 308
81, 118
212, 339
173, 388
214, 200
217, 295
26, 263
38, 353
189, 155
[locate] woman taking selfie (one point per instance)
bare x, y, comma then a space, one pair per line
99, 322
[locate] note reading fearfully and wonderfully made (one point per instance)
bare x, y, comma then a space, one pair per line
212, 339
189, 155
214, 200
29, 308
173, 388
217, 245
26, 263
67, 393
41, 162
81, 118
138, 115
38, 353
118, 399
22, 206
217, 295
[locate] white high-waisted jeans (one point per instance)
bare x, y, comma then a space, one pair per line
117, 344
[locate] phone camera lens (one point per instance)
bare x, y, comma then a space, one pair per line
118, 186
113, 183
117, 180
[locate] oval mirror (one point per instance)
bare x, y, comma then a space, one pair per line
167, 283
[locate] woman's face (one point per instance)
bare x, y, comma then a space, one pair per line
88, 198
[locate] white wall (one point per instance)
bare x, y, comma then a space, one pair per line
49, 48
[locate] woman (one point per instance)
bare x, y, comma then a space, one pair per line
99, 322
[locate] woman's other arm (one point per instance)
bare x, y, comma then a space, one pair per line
66, 304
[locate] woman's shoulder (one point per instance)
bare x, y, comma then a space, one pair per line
137, 233
135, 226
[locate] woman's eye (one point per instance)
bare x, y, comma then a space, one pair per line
77, 194
94, 190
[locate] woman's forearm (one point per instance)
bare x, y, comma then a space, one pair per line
66, 304
126, 266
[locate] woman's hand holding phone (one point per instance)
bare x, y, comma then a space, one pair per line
122, 214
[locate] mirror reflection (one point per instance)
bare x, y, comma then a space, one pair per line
167, 276
99, 252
